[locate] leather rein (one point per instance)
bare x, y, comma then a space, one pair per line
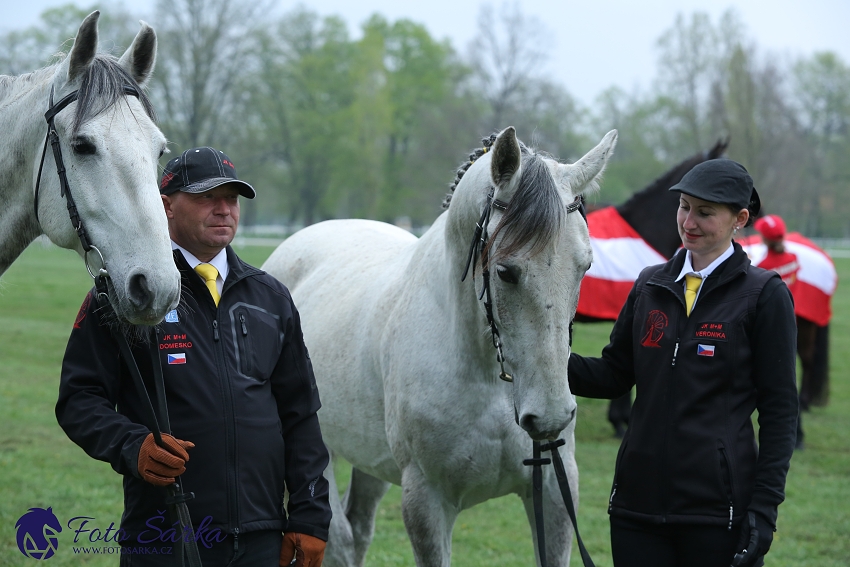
477, 248
176, 499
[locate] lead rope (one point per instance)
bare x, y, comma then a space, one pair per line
537, 463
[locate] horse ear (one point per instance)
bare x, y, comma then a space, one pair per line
506, 161
85, 47
584, 175
140, 57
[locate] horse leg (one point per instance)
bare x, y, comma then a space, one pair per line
556, 520
340, 549
428, 518
361, 501
806, 338
820, 392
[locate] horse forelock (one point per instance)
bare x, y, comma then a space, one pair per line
534, 215
102, 86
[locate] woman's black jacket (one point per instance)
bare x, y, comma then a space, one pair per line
690, 454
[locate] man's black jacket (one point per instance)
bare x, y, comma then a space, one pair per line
689, 455
239, 385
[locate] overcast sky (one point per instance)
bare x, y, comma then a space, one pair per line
596, 44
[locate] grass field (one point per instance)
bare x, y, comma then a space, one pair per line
40, 467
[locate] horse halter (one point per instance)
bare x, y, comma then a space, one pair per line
477, 248
65, 189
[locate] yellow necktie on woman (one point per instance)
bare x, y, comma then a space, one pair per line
209, 273
692, 284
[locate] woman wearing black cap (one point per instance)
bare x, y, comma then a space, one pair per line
707, 338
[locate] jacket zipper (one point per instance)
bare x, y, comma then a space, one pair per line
230, 432
235, 539
728, 464
245, 351
675, 352
611, 500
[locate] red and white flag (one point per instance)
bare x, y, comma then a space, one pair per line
816, 280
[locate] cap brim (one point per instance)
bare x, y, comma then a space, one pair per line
212, 182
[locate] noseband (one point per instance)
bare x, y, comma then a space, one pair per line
478, 248
101, 274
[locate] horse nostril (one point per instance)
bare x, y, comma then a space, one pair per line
138, 291
527, 423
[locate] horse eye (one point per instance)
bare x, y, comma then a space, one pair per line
507, 275
83, 146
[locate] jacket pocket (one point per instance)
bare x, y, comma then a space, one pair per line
257, 338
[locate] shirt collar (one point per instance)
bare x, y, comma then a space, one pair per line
219, 261
688, 268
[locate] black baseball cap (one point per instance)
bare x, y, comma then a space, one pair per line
200, 169
721, 181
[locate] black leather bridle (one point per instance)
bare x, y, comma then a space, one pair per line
477, 248
176, 499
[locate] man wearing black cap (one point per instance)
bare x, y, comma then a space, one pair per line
707, 338
239, 388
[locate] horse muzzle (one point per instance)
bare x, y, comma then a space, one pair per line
540, 429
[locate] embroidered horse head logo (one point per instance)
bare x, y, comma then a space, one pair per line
37, 533
656, 321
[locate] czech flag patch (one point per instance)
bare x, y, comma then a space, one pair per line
702, 350
180, 358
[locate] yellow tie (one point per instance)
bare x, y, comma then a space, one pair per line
209, 273
692, 284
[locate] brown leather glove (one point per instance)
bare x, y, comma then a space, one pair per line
158, 466
301, 550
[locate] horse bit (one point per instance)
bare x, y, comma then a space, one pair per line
477, 248
176, 497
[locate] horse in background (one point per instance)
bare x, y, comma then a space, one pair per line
110, 147
405, 358
642, 232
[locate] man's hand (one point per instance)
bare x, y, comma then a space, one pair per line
301, 550
159, 466
756, 537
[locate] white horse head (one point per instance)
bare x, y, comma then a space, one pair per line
110, 148
537, 254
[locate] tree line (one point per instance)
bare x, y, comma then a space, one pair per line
328, 125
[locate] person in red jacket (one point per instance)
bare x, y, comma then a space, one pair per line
772, 231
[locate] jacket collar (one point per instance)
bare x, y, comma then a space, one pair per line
737, 264
238, 270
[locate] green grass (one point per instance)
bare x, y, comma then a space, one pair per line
39, 466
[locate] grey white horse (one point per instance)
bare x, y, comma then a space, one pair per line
404, 358
110, 147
